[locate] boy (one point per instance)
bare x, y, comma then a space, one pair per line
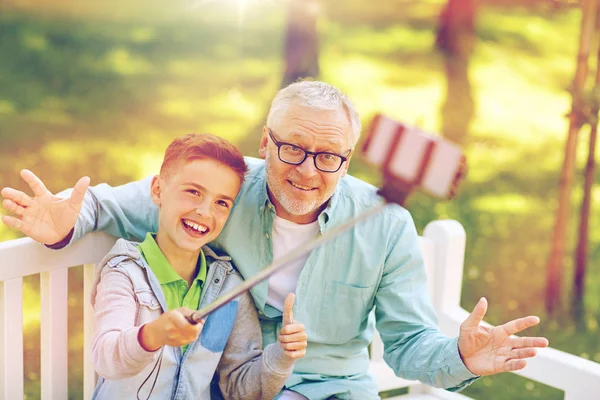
143, 343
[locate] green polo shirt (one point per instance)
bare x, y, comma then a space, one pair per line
174, 287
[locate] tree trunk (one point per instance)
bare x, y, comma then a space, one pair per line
576, 120
458, 108
456, 29
581, 254
301, 42
301, 56
455, 39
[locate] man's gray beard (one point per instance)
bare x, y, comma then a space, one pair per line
292, 206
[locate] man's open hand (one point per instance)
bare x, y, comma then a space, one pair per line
45, 217
490, 350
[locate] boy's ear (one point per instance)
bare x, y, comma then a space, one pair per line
155, 189
264, 141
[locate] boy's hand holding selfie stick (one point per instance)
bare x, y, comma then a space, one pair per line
171, 328
408, 157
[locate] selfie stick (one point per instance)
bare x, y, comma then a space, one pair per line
279, 264
409, 158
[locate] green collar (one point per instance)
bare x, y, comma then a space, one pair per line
160, 265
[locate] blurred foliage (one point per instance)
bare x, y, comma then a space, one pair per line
100, 88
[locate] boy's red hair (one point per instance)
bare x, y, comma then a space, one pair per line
203, 146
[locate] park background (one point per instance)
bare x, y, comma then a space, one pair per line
100, 89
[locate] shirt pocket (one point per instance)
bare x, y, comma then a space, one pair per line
345, 311
149, 307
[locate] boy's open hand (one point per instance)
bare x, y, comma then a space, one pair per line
292, 337
171, 328
45, 217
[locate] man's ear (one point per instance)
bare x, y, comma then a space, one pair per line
264, 141
346, 164
155, 189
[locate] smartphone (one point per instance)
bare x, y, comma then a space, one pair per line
411, 158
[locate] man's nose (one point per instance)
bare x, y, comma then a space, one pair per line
308, 168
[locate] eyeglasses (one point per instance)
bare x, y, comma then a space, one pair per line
294, 155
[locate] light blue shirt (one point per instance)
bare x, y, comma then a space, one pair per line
372, 273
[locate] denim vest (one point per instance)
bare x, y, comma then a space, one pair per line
181, 376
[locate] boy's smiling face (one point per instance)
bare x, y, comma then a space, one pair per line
194, 200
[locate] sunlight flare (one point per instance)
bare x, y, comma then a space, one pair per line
240, 5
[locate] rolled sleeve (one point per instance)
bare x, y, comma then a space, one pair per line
457, 368
125, 211
133, 352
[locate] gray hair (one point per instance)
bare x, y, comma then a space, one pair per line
315, 95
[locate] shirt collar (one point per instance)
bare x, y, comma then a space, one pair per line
160, 265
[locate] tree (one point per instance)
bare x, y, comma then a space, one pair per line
301, 57
455, 39
581, 254
301, 42
577, 117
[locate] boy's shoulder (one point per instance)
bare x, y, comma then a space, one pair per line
215, 253
124, 257
126, 254
121, 251
232, 275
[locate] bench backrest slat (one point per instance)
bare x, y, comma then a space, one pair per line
89, 374
11, 339
54, 347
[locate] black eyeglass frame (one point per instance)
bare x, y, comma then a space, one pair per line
314, 154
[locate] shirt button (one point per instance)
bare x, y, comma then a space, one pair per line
217, 280
267, 235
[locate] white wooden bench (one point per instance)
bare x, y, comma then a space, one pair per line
443, 245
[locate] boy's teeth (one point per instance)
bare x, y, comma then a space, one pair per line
193, 225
